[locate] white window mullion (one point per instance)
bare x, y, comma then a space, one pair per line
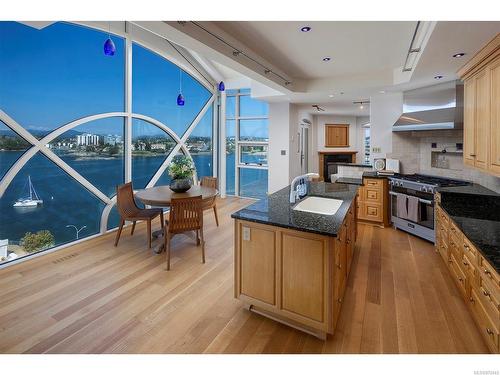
127, 139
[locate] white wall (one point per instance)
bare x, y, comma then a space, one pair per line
385, 109
279, 139
356, 137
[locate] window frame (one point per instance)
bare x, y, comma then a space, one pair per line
238, 165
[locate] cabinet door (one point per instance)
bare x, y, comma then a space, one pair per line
482, 119
258, 264
303, 270
469, 121
494, 70
336, 135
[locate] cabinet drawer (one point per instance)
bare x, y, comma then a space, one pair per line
373, 183
487, 329
455, 247
467, 267
442, 217
456, 232
489, 276
470, 251
458, 275
371, 211
372, 195
490, 302
443, 251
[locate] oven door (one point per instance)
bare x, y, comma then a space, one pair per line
424, 226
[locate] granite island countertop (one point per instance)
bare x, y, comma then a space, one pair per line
476, 211
276, 209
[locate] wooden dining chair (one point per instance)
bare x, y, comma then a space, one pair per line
212, 202
128, 210
186, 214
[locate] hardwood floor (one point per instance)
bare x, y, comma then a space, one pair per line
95, 298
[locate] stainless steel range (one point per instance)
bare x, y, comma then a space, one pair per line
412, 202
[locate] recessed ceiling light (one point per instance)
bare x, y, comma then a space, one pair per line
331, 95
382, 91
438, 77
327, 58
305, 29
459, 55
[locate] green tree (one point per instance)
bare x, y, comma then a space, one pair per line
40, 240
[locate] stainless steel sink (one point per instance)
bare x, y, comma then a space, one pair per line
319, 205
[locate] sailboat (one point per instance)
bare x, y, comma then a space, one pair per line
32, 201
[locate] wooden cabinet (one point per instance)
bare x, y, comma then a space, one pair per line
477, 281
481, 77
336, 135
373, 205
294, 277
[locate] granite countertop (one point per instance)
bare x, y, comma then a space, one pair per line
373, 174
276, 209
354, 165
476, 211
349, 181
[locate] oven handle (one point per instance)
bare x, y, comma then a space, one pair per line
419, 199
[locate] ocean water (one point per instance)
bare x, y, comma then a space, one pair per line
66, 202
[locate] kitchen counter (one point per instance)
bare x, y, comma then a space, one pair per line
476, 211
276, 209
349, 181
354, 165
373, 174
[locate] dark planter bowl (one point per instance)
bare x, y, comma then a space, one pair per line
180, 185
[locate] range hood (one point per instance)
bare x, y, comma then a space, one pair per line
437, 107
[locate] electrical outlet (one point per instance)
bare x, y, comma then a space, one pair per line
246, 234
377, 149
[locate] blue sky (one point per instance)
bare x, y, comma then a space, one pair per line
58, 74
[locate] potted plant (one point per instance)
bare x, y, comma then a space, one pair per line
181, 170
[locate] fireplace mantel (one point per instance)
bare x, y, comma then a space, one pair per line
322, 155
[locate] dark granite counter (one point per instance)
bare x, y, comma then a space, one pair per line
349, 181
276, 209
373, 174
354, 165
476, 211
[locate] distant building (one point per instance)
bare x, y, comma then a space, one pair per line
87, 139
158, 146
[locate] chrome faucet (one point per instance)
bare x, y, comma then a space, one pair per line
294, 194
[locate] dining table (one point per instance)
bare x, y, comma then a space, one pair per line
161, 196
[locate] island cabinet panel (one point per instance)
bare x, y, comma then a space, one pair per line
477, 281
295, 277
258, 264
373, 201
304, 266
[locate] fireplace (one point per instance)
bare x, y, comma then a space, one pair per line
328, 160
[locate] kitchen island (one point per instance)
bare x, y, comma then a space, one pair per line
292, 266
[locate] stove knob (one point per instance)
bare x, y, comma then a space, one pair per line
423, 189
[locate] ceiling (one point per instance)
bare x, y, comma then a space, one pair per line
354, 47
365, 57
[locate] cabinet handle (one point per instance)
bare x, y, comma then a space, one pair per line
472, 300
460, 279
487, 272
339, 266
473, 155
489, 331
465, 263
340, 300
486, 293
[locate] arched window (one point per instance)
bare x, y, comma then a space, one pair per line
63, 138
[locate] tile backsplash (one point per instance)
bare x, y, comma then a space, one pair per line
416, 155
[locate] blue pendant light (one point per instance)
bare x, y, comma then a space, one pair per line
109, 46
222, 87
180, 97
180, 100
